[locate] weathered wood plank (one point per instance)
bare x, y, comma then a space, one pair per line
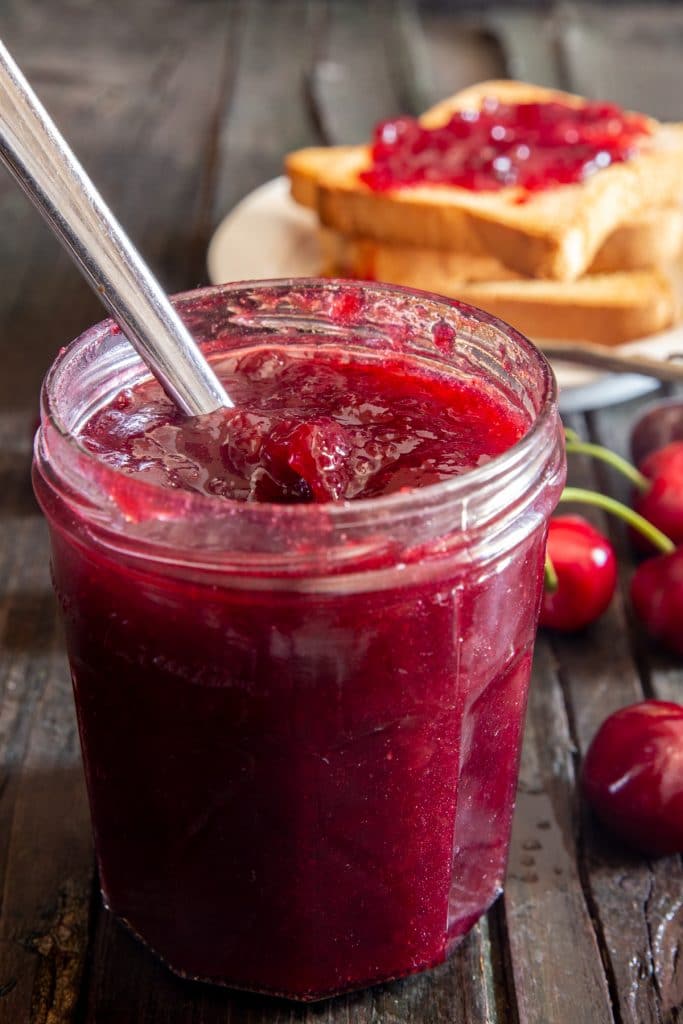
267, 113
45, 904
554, 954
440, 53
529, 43
632, 59
352, 82
662, 676
45, 848
139, 108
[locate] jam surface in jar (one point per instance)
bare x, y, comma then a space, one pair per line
307, 427
532, 146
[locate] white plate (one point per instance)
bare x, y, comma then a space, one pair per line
269, 235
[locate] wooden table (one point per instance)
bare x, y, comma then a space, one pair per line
178, 109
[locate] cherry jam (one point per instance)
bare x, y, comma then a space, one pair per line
307, 427
532, 146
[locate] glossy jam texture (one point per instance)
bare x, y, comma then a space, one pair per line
307, 427
529, 145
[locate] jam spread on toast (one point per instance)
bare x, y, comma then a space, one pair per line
532, 146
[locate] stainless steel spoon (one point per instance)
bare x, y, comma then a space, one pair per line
47, 170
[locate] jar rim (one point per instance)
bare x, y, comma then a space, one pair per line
189, 502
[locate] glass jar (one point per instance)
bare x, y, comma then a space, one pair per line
301, 723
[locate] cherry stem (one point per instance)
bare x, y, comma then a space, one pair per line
574, 445
550, 580
658, 539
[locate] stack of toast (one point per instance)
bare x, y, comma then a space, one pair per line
589, 261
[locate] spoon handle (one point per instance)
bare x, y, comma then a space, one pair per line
604, 358
37, 155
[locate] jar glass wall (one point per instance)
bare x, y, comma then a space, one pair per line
301, 724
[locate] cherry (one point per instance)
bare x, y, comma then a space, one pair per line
658, 483
657, 597
657, 586
586, 569
662, 502
659, 423
588, 573
633, 776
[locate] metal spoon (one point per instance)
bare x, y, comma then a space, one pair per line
603, 358
47, 170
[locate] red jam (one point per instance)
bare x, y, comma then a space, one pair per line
317, 428
529, 145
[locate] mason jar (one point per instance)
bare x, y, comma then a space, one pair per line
301, 724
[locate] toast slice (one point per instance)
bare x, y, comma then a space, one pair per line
605, 308
655, 239
608, 308
304, 167
554, 233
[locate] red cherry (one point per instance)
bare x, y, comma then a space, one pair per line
586, 569
658, 424
662, 503
633, 776
657, 597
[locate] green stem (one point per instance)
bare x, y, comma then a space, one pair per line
550, 580
577, 447
658, 539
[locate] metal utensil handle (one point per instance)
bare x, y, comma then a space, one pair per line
603, 358
47, 170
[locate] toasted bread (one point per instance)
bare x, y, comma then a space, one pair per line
304, 167
653, 240
554, 233
608, 308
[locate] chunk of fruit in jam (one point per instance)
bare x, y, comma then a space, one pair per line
304, 462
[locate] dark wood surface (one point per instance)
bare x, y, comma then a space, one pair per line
178, 109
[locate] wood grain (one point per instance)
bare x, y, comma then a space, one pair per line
266, 114
553, 948
352, 81
45, 848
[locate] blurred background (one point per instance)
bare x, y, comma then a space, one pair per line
178, 109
